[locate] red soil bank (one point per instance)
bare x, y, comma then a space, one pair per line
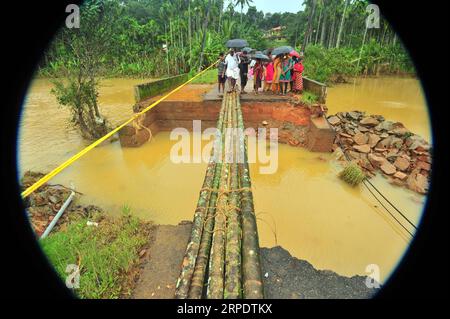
186, 105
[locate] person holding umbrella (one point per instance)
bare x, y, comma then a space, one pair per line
232, 72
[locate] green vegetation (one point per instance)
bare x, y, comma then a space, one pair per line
309, 97
136, 32
104, 254
160, 38
126, 38
337, 64
352, 174
337, 42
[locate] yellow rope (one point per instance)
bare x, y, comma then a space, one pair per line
71, 160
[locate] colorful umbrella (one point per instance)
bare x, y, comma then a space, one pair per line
294, 53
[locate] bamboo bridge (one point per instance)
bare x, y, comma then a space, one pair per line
222, 258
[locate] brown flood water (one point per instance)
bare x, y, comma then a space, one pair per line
397, 99
304, 207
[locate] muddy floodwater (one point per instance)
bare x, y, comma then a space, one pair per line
397, 99
303, 207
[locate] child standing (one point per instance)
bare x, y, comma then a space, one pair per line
221, 68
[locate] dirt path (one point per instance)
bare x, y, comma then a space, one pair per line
162, 263
285, 277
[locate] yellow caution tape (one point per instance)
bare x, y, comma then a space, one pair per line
67, 163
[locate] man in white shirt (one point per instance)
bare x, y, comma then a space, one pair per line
232, 62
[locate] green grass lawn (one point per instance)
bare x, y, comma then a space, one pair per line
104, 253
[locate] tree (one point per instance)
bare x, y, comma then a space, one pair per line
79, 89
309, 30
129, 36
341, 27
243, 3
205, 30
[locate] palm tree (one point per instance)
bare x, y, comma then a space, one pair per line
242, 3
205, 30
341, 27
309, 27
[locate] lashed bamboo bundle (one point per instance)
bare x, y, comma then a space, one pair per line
251, 265
217, 257
234, 233
223, 251
198, 278
191, 254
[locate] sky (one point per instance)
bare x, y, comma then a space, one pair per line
273, 6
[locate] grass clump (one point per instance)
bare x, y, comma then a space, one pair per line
352, 174
104, 253
309, 98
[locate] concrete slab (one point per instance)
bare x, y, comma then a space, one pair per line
320, 135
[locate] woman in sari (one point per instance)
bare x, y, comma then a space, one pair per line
268, 76
298, 76
285, 76
276, 75
258, 74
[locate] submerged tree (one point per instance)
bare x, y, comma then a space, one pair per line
78, 87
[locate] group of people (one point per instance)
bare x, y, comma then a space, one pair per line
274, 76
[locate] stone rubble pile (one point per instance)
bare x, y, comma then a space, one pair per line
385, 146
43, 204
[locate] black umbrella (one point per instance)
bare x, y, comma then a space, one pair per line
254, 53
267, 51
261, 56
237, 43
282, 50
248, 50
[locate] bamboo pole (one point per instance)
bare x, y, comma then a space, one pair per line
184, 280
198, 278
251, 266
192, 250
217, 258
233, 236
224, 246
